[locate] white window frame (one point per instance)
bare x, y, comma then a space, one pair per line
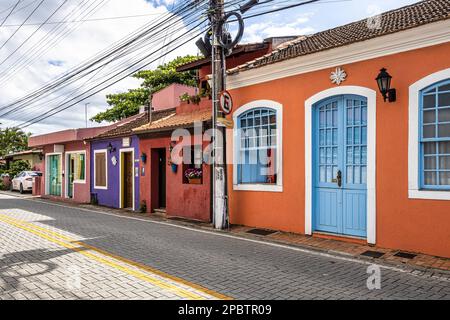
105, 151
414, 190
278, 187
66, 182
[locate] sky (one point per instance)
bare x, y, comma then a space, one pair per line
80, 41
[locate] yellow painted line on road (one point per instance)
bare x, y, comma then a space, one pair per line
32, 228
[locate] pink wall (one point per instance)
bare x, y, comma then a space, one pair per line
170, 97
62, 137
81, 192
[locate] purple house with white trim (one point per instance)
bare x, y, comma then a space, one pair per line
115, 159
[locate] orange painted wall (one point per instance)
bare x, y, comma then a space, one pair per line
402, 223
182, 200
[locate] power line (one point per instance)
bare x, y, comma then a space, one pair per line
86, 20
9, 14
47, 115
29, 16
138, 67
34, 32
51, 39
79, 71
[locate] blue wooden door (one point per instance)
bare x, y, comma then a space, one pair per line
340, 166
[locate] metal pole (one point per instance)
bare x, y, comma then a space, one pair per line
86, 113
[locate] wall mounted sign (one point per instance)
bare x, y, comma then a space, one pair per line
114, 161
126, 142
226, 102
338, 76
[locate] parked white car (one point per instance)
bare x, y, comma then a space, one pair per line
24, 181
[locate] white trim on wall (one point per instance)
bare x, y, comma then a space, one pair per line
121, 176
414, 191
66, 168
105, 151
259, 187
371, 96
411, 39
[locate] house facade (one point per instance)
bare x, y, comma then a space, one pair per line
165, 188
33, 157
317, 150
65, 166
115, 165
116, 154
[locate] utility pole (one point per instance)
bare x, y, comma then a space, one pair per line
221, 45
86, 113
219, 172
150, 106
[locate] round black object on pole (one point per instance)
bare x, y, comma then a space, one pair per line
225, 41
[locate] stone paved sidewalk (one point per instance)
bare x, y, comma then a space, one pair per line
333, 246
38, 262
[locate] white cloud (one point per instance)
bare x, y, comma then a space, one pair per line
85, 41
279, 27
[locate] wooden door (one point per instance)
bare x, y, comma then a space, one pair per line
128, 180
341, 166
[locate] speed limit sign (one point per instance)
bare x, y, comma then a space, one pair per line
226, 102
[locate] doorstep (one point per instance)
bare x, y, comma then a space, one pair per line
415, 261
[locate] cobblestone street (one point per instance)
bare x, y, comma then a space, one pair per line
56, 252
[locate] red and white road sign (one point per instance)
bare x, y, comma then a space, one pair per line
226, 102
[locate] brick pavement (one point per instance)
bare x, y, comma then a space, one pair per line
239, 268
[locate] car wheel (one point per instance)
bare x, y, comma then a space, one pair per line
21, 189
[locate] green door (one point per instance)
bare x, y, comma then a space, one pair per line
71, 176
54, 178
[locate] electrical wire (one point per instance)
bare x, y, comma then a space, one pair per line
51, 39
66, 79
34, 32
17, 30
10, 13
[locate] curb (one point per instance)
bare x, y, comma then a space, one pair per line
412, 269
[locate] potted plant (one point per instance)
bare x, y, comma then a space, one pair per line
194, 176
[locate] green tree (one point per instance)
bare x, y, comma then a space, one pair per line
17, 167
126, 104
13, 140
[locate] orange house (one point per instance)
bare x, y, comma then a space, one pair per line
317, 150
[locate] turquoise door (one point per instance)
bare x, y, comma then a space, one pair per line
54, 175
340, 166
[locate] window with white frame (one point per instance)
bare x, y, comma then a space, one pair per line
434, 137
257, 147
78, 161
100, 170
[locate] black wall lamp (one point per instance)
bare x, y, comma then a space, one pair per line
384, 80
111, 149
144, 157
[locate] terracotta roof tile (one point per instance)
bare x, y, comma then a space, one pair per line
408, 17
175, 121
126, 126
